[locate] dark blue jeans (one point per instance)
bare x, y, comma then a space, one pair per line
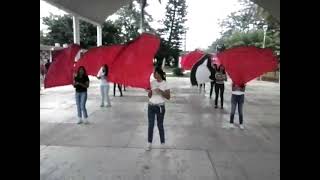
81, 99
153, 112
219, 87
237, 100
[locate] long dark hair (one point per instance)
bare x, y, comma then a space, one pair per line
84, 71
160, 72
224, 69
107, 69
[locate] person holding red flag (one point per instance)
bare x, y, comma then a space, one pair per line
157, 94
220, 77
237, 99
81, 84
104, 85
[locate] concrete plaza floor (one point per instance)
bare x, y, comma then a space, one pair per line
199, 147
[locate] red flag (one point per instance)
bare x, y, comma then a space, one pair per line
188, 60
60, 72
134, 64
94, 58
246, 63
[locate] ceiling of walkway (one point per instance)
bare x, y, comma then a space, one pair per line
97, 11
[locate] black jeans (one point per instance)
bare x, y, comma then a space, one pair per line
114, 89
219, 87
237, 100
211, 88
156, 111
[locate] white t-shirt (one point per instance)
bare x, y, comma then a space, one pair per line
157, 98
238, 92
103, 80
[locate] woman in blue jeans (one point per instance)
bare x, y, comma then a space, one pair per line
237, 99
156, 108
104, 85
81, 84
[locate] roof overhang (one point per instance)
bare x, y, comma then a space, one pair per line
92, 11
97, 11
272, 6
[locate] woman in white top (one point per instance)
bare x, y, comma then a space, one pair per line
156, 108
237, 98
104, 85
220, 77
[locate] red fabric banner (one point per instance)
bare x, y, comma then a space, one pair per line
188, 60
94, 58
133, 66
60, 72
246, 63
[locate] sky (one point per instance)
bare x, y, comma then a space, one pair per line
202, 18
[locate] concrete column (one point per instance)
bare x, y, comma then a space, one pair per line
99, 35
76, 30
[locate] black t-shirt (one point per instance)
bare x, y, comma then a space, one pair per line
82, 80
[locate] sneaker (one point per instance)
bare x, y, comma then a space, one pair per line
231, 125
109, 105
241, 127
149, 147
216, 107
101, 105
86, 121
79, 121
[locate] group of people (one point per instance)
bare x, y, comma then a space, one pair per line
237, 99
81, 84
158, 94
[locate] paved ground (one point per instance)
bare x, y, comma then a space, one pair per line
198, 145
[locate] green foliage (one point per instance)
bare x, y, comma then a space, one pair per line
61, 31
173, 31
244, 27
129, 20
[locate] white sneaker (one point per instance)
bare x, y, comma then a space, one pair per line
86, 121
241, 127
109, 105
149, 147
231, 125
79, 121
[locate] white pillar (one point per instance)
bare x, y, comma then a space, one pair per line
76, 30
99, 35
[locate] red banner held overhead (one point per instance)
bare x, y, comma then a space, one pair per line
96, 57
134, 64
60, 72
188, 60
130, 64
246, 63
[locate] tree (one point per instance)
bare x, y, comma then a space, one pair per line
244, 27
143, 4
61, 31
129, 21
174, 28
